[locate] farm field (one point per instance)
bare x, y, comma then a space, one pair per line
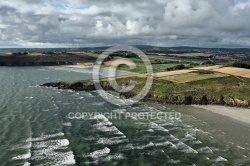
192, 55
234, 71
176, 58
140, 67
208, 67
5, 53
35, 54
189, 77
171, 73
118, 61
158, 57
90, 54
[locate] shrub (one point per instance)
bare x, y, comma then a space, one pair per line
241, 65
177, 67
204, 72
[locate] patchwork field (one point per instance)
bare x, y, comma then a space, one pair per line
157, 57
140, 66
5, 53
192, 54
208, 67
119, 61
197, 59
234, 71
35, 54
82, 53
170, 73
189, 77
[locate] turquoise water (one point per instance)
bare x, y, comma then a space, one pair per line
35, 128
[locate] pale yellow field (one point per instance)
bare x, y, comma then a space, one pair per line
35, 54
188, 77
170, 73
208, 67
192, 54
234, 71
5, 53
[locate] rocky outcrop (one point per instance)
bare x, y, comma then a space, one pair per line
234, 102
77, 86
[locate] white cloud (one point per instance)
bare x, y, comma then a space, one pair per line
91, 22
188, 13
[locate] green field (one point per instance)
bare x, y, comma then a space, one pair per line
157, 67
94, 55
193, 76
140, 68
188, 59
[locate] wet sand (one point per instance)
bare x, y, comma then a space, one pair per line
240, 114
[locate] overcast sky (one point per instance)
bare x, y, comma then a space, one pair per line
80, 23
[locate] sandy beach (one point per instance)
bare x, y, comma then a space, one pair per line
110, 70
240, 114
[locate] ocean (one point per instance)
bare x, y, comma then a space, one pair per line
47, 126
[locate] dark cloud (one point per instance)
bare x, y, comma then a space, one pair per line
45, 23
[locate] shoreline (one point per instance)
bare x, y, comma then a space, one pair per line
235, 113
241, 114
108, 69
88, 85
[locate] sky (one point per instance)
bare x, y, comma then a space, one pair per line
93, 23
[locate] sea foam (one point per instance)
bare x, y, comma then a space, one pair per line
22, 157
43, 148
185, 148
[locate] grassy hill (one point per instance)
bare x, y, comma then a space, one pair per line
38, 59
227, 90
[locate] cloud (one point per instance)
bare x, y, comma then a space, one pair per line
76, 23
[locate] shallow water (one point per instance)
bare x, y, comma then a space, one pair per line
36, 129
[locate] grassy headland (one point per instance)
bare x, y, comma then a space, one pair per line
226, 90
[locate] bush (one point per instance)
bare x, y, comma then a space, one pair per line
177, 67
241, 65
19, 53
204, 100
188, 100
204, 72
194, 64
208, 63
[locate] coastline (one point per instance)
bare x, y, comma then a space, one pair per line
162, 91
236, 113
122, 73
